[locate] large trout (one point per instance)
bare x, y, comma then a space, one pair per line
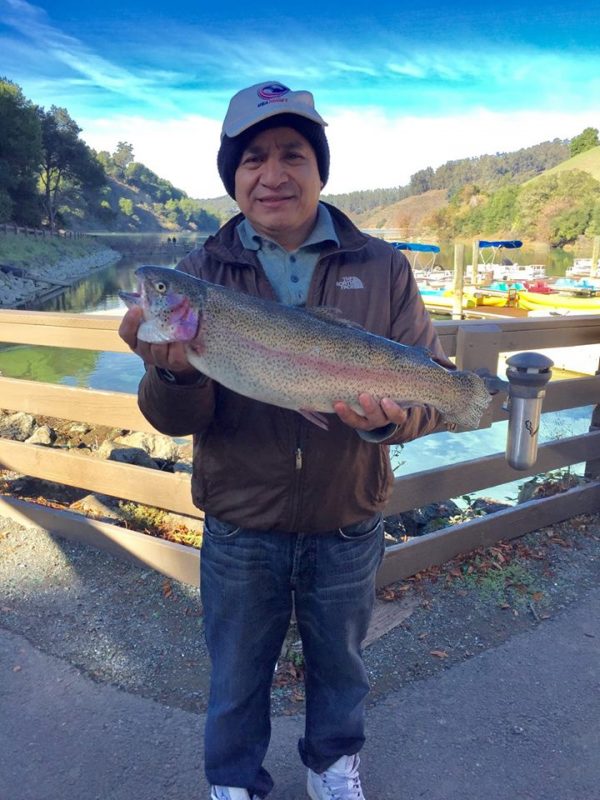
295, 358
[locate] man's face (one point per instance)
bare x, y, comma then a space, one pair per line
277, 186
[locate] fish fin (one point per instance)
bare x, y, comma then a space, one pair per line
332, 315
318, 419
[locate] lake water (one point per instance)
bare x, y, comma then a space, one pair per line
122, 372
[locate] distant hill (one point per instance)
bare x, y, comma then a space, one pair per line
408, 214
221, 207
538, 193
589, 162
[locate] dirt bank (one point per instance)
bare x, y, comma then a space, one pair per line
31, 267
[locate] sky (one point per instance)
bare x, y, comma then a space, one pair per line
401, 86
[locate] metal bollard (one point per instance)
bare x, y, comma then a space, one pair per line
528, 374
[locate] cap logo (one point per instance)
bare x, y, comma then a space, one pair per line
272, 91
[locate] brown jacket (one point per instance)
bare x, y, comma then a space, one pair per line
268, 468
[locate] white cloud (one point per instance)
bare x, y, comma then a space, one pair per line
372, 150
368, 148
183, 151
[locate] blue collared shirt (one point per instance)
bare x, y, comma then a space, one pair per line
290, 273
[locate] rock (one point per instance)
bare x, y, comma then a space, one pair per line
487, 505
42, 435
159, 447
421, 521
18, 426
96, 506
127, 455
183, 466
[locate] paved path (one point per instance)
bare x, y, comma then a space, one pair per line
520, 722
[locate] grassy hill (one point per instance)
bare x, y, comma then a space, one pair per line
589, 162
560, 205
406, 214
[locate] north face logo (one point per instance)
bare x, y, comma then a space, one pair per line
351, 282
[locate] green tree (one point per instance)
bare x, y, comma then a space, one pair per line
567, 226
501, 209
557, 207
587, 139
121, 158
20, 153
126, 206
67, 162
593, 228
421, 181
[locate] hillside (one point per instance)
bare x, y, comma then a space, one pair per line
405, 214
589, 162
488, 196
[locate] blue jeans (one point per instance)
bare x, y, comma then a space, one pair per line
250, 580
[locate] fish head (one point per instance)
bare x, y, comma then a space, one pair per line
171, 303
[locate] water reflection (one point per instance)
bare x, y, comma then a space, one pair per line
555, 260
98, 293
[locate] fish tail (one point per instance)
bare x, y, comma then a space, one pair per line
470, 401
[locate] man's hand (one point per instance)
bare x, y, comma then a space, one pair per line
169, 356
375, 415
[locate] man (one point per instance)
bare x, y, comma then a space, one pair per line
293, 513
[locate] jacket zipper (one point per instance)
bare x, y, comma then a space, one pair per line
296, 487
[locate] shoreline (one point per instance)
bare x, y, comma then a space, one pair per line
34, 283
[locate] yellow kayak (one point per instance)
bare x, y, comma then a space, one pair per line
532, 301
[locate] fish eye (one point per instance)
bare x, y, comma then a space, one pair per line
160, 286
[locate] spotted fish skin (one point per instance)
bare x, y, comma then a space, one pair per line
294, 358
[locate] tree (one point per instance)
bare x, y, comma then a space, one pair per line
126, 206
20, 152
121, 158
587, 139
67, 162
421, 181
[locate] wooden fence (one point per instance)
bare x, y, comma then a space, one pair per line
10, 227
472, 343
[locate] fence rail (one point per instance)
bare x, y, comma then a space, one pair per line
472, 343
10, 227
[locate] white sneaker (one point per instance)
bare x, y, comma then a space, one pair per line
230, 793
340, 781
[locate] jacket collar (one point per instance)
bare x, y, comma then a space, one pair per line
227, 246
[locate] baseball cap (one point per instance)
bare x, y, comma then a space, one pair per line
264, 100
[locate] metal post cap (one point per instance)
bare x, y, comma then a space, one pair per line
529, 369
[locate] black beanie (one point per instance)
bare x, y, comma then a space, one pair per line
231, 149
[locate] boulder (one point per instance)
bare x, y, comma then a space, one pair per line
18, 426
42, 435
159, 447
112, 451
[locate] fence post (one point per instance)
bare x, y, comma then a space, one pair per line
592, 468
595, 255
478, 347
475, 262
458, 282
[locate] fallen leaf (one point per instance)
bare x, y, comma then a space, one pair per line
167, 589
537, 596
439, 653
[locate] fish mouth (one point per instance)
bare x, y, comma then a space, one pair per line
131, 299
